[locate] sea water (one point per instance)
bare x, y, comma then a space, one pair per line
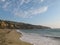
41, 36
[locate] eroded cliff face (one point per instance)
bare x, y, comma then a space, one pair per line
11, 37
19, 25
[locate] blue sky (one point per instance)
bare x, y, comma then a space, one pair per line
37, 12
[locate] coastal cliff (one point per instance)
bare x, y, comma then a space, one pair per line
18, 25
11, 37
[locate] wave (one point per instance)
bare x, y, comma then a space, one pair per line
38, 39
53, 37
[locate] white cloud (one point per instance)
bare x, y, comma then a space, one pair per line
19, 3
39, 10
30, 13
24, 1
16, 10
5, 6
42, 0
3, 0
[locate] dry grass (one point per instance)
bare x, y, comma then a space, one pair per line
11, 37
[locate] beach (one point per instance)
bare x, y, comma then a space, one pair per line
29, 37
11, 37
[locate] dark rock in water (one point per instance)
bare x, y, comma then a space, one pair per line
18, 25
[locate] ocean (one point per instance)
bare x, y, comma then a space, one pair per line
41, 36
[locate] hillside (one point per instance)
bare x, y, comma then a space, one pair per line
18, 25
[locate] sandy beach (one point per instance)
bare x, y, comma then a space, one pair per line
11, 37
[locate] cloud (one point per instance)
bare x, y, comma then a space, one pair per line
5, 6
30, 13
3, 0
42, 0
24, 1
24, 8
39, 10
12, 4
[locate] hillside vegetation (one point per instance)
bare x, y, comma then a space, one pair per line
18, 25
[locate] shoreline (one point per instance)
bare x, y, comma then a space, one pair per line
22, 36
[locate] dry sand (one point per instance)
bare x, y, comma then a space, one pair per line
11, 37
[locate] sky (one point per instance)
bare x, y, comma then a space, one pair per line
37, 12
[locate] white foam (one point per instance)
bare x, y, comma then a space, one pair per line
36, 39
